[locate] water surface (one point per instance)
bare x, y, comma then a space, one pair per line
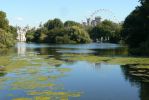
37, 72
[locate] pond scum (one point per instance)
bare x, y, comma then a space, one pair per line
138, 67
36, 75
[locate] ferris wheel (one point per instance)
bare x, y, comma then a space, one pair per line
104, 14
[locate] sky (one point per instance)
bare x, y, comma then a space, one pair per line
33, 12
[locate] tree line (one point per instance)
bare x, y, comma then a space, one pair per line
55, 31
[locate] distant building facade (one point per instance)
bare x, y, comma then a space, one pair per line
92, 22
21, 34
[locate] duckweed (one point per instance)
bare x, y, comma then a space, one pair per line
63, 70
128, 60
23, 99
54, 95
111, 60
31, 84
32, 69
89, 58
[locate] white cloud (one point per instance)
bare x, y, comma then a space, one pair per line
19, 18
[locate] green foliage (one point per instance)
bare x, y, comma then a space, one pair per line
106, 29
13, 31
51, 24
7, 33
54, 36
30, 35
135, 29
40, 34
3, 21
54, 31
72, 23
6, 39
64, 39
72, 34
78, 35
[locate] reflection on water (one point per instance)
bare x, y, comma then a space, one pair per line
39, 74
87, 46
104, 49
21, 48
105, 82
137, 80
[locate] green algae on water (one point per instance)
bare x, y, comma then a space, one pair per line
23, 99
111, 60
89, 58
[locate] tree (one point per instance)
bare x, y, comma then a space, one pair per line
30, 35
54, 34
106, 30
40, 35
72, 23
13, 31
135, 31
3, 21
51, 24
54, 31
79, 35
7, 33
73, 34
6, 39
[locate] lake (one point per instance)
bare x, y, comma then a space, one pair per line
71, 72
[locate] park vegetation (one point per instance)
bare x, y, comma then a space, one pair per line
107, 30
7, 32
135, 30
55, 31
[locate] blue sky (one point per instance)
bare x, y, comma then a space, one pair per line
32, 12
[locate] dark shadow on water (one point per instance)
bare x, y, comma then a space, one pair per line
139, 78
112, 52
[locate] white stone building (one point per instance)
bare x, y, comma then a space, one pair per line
21, 35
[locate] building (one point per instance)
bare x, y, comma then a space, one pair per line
88, 21
21, 35
21, 48
98, 19
92, 22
